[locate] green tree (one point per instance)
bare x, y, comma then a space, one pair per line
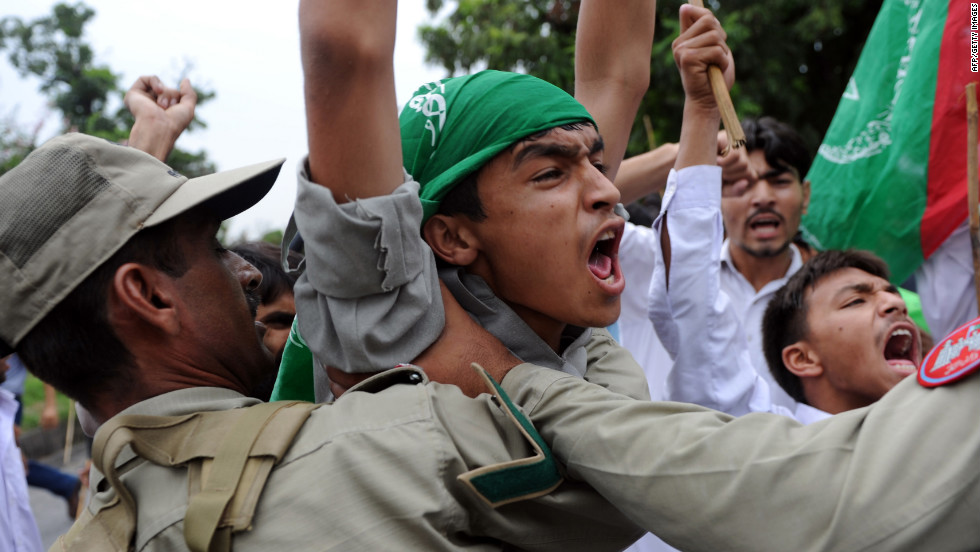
793, 57
53, 49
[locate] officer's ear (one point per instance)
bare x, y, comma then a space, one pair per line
802, 360
140, 294
451, 239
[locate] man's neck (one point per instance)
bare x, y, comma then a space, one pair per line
547, 328
759, 271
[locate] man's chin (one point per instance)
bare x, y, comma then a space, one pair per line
766, 251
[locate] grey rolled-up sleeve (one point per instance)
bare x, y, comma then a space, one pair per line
369, 298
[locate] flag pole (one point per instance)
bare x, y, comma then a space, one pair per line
733, 128
972, 182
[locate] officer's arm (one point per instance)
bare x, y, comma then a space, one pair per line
462, 343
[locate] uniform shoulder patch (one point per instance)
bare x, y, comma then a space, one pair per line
952, 358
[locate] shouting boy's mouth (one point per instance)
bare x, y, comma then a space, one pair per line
604, 260
901, 350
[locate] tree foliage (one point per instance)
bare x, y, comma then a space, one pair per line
793, 57
86, 93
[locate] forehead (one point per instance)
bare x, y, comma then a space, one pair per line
757, 158
832, 286
585, 135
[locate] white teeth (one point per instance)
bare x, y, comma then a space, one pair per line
901, 331
607, 235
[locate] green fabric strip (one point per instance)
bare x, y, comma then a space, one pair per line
294, 382
515, 482
453, 127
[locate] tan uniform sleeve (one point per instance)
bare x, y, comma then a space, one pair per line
613, 367
903, 474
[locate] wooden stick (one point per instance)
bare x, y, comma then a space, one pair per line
648, 126
733, 128
70, 432
972, 181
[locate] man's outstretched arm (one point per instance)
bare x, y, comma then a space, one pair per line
349, 86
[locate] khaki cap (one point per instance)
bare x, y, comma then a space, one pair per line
76, 200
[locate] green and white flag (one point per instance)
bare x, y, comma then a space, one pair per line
890, 175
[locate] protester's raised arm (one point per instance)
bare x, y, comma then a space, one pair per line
612, 67
700, 45
351, 113
161, 114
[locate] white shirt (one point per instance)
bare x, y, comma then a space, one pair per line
751, 305
945, 284
698, 323
18, 530
637, 252
703, 328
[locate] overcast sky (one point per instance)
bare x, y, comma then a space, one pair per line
247, 51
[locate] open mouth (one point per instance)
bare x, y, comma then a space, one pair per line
601, 259
766, 223
604, 260
900, 351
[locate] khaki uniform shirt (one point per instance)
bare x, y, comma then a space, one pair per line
902, 474
377, 471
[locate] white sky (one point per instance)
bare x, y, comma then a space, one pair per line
246, 51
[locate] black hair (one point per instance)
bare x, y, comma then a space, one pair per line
74, 348
782, 146
784, 322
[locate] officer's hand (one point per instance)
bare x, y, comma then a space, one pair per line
462, 343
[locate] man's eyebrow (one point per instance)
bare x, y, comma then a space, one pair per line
862, 287
773, 173
865, 288
554, 150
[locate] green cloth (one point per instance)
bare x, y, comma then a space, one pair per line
295, 379
890, 176
914, 304
453, 127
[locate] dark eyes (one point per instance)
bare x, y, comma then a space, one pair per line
600, 166
547, 175
853, 302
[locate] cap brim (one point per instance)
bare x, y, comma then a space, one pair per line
227, 193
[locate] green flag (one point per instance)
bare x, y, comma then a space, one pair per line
890, 175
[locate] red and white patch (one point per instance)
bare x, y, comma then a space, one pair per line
952, 358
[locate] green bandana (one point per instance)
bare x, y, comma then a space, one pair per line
453, 127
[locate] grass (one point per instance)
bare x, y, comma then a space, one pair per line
34, 403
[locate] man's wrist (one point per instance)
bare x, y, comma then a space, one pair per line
698, 144
154, 137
